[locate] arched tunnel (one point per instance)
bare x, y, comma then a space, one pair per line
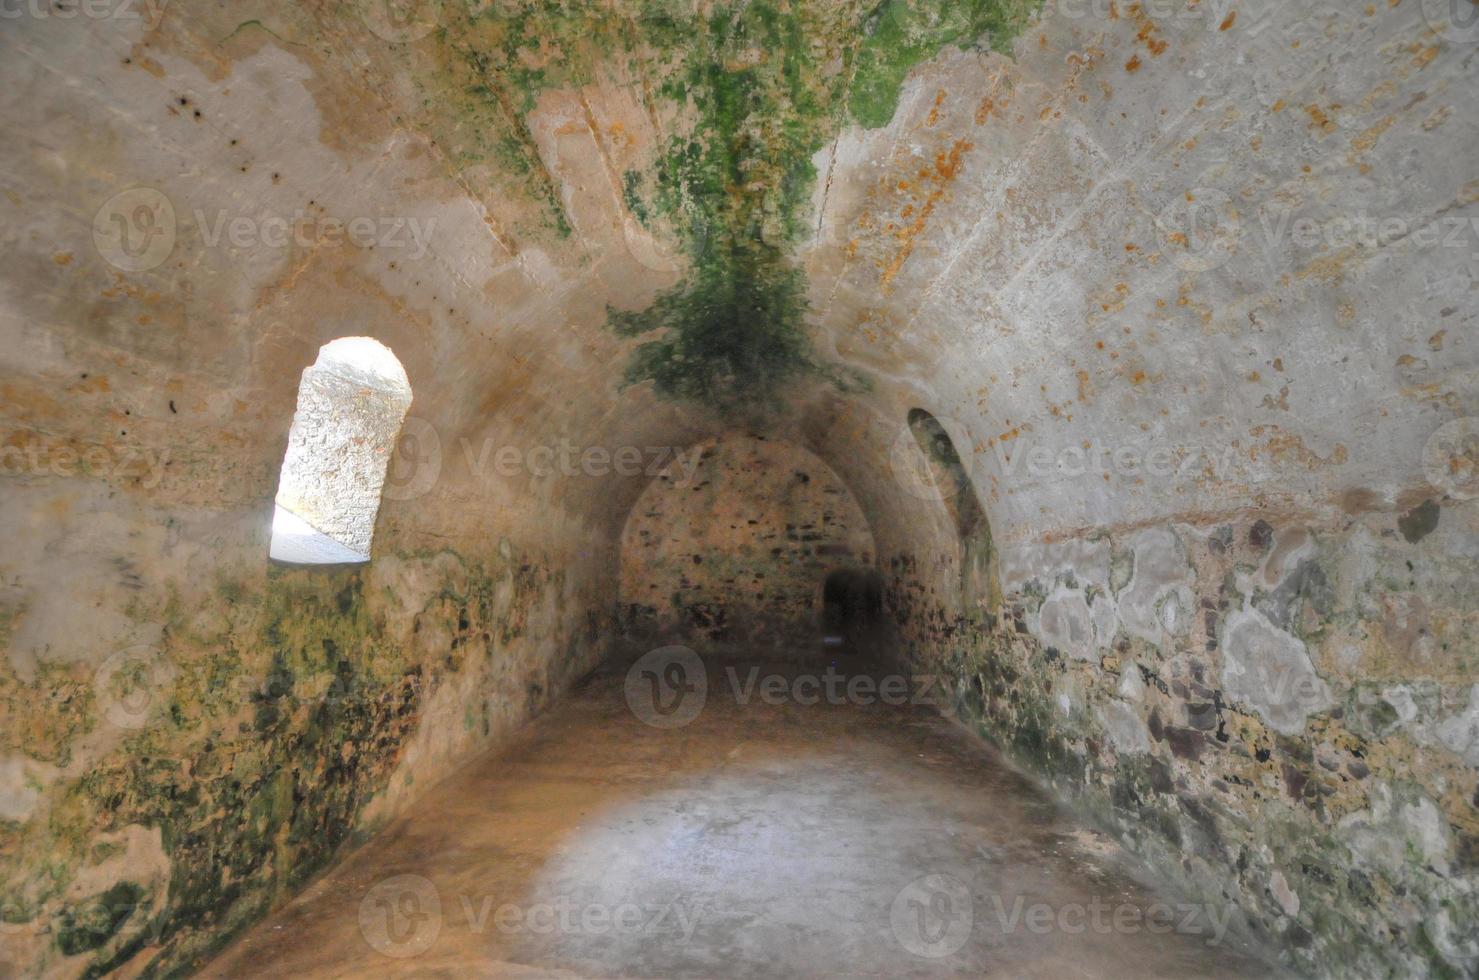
739, 488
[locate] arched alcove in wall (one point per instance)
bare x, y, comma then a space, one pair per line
352, 402
949, 475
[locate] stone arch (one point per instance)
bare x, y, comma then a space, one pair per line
952, 481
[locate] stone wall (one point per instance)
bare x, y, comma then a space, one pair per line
1282, 718
216, 730
729, 548
1101, 228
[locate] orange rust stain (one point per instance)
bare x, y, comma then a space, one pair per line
1328, 269
1367, 140
1133, 65
1148, 33
1227, 24
62, 258
934, 115
946, 169
1287, 447
1319, 119
987, 109
1278, 106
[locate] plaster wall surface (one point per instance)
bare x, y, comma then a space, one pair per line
1194, 283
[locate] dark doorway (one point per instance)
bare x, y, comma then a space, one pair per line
852, 609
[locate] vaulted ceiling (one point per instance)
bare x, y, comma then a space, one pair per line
1090, 229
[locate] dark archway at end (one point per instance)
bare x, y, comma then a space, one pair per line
852, 611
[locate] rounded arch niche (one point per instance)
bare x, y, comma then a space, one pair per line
352, 403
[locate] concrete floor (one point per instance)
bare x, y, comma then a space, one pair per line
759, 840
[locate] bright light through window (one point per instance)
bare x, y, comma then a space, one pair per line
351, 404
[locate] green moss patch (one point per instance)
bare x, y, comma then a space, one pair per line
748, 91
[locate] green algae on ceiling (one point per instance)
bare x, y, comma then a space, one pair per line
752, 90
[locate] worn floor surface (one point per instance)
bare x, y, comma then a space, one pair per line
759, 840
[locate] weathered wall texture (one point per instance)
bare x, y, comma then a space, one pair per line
729, 548
1173, 270
1284, 719
199, 774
